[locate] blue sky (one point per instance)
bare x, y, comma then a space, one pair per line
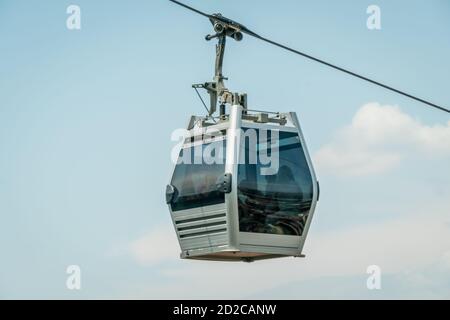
85, 124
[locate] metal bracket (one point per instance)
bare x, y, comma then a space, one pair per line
224, 183
216, 89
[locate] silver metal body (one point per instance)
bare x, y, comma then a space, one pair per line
212, 232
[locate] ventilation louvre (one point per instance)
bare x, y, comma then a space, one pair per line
200, 226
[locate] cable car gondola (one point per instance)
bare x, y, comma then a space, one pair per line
244, 187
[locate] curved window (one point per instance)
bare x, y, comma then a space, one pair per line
195, 178
276, 203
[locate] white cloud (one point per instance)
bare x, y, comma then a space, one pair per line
444, 262
377, 139
157, 246
403, 247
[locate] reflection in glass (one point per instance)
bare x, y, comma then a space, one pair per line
278, 203
195, 181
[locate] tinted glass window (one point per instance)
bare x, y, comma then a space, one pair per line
278, 203
195, 181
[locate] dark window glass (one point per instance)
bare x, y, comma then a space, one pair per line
277, 203
195, 181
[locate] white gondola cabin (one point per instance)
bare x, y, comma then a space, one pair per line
243, 189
